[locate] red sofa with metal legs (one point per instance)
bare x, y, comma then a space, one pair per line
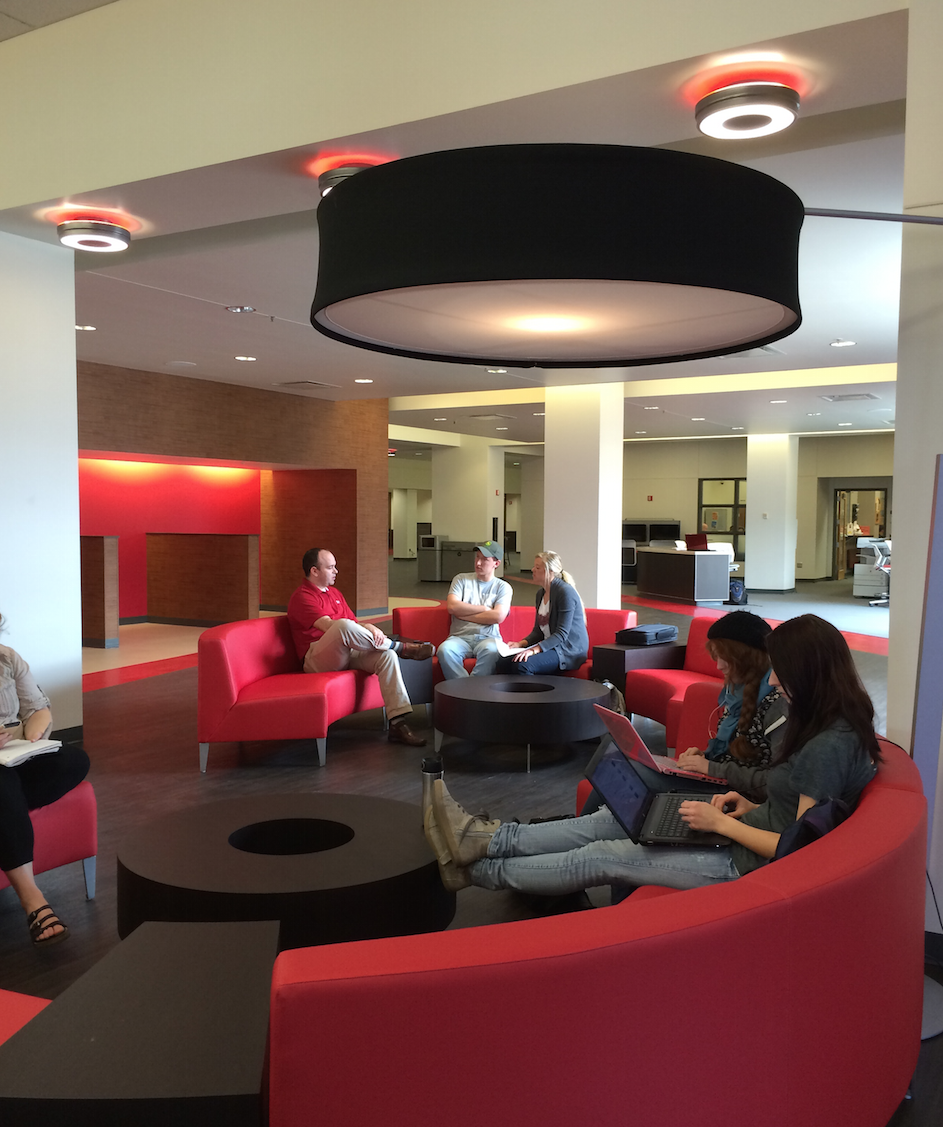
431, 624
816, 960
251, 687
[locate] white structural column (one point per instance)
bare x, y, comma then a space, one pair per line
915, 604
468, 490
583, 440
531, 538
404, 516
39, 562
772, 525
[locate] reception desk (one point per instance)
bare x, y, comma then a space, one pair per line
701, 578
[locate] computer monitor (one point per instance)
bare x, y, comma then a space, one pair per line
670, 530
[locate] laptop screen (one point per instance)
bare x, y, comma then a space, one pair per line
622, 789
696, 541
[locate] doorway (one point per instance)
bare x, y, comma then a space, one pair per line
857, 512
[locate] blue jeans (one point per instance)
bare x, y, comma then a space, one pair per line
545, 664
453, 651
553, 858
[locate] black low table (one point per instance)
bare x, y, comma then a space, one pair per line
168, 1028
519, 709
330, 867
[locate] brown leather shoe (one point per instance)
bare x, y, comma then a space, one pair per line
416, 651
402, 734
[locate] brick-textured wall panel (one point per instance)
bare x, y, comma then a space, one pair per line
304, 509
202, 578
99, 590
122, 410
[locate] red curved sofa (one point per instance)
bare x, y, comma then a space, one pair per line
251, 687
590, 1016
431, 624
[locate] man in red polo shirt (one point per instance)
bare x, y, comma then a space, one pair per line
328, 637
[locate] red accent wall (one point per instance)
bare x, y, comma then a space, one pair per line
130, 499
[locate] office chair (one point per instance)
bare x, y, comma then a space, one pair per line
882, 562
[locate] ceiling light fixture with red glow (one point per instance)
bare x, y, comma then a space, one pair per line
747, 97
330, 170
97, 229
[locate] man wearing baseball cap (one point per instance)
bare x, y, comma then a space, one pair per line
478, 603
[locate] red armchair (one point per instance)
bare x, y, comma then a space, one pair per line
66, 831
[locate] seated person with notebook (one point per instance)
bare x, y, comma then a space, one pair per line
25, 715
829, 750
751, 711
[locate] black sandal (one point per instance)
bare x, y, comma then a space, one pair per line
37, 927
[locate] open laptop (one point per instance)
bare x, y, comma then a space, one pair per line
631, 743
648, 817
695, 541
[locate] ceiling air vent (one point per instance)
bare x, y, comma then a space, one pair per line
491, 418
852, 397
305, 385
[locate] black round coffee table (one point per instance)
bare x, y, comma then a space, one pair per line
519, 709
330, 867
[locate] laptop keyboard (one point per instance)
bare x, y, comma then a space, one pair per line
671, 824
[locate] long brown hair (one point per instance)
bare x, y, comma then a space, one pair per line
814, 665
747, 667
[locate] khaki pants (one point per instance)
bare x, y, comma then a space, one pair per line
347, 645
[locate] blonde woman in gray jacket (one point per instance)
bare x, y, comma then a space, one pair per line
558, 641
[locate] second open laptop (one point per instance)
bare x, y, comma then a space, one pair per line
648, 817
623, 732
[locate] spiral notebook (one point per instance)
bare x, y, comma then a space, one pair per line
15, 752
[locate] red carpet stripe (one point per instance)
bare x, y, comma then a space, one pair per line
109, 677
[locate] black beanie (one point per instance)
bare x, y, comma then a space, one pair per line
741, 626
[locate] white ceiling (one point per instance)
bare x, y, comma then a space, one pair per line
19, 16
246, 233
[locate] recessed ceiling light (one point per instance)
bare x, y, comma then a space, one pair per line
813, 414
846, 424
500, 428
496, 371
699, 419
440, 419
778, 401
363, 381
537, 414
515, 463
738, 428
649, 408
241, 308
641, 432
86, 328
418, 453
839, 343
247, 359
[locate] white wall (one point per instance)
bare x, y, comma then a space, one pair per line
39, 560
668, 472
468, 489
863, 461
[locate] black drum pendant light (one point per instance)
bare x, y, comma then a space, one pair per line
558, 256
